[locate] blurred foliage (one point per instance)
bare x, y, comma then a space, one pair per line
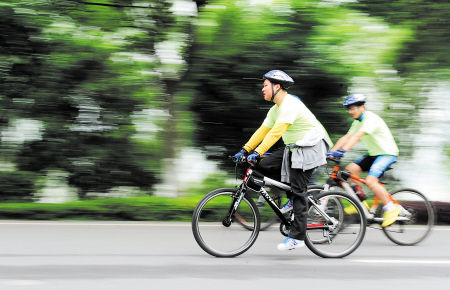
107, 88
17, 186
428, 49
134, 208
82, 69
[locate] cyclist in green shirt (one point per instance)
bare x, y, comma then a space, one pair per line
306, 144
383, 151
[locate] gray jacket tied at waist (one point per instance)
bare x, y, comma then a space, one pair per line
303, 157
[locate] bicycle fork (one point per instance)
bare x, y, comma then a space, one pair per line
240, 193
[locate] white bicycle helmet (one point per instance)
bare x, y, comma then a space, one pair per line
279, 77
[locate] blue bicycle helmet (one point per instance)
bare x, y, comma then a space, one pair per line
355, 99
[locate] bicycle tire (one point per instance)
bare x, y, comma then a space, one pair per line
420, 221
268, 217
345, 242
212, 235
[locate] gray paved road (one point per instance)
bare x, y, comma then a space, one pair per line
139, 255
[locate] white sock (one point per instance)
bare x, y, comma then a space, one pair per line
389, 206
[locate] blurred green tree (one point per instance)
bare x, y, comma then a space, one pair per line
82, 68
427, 49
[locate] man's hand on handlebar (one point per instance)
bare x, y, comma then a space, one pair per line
336, 154
243, 157
240, 156
253, 158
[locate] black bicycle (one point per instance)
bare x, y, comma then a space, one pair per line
330, 232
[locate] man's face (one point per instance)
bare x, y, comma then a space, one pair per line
356, 111
267, 89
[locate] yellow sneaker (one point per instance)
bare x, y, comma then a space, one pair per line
390, 216
350, 210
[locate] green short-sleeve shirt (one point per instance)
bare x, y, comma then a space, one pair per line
293, 111
378, 137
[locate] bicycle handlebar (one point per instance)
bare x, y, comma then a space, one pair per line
243, 159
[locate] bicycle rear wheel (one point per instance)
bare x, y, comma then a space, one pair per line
415, 221
338, 239
209, 230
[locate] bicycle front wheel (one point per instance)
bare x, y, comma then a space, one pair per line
344, 233
415, 220
218, 238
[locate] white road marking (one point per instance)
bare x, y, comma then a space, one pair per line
400, 261
105, 224
20, 282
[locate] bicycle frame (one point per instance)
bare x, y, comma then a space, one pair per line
341, 177
249, 182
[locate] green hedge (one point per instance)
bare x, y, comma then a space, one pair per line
149, 208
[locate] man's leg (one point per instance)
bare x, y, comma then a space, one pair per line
377, 189
356, 170
299, 182
378, 167
270, 166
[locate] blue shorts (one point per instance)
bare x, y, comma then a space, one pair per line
376, 165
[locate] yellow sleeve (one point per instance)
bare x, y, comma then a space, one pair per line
272, 137
256, 138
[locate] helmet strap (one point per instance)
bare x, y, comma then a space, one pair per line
274, 93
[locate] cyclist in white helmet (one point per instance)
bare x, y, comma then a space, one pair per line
306, 145
383, 151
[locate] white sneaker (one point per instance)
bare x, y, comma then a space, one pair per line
290, 244
287, 207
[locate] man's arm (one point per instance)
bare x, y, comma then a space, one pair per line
256, 138
341, 142
353, 140
272, 137
347, 141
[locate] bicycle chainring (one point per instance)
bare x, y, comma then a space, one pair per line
284, 229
